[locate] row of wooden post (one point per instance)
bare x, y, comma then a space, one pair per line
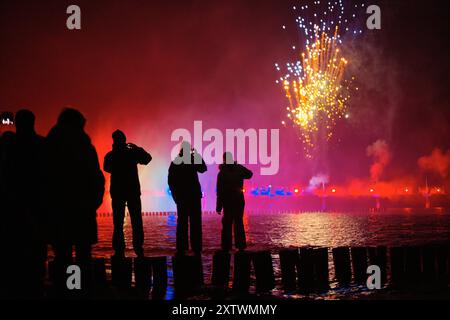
151, 213
304, 269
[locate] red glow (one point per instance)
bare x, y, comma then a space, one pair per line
148, 97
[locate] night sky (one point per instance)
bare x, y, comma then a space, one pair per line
149, 67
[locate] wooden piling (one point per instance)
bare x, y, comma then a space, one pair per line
262, 263
289, 259
413, 267
187, 273
321, 269
99, 272
305, 270
342, 268
159, 271
359, 264
121, 272
378, 256
241, 276
143, 273
221, 269
429, 266
397, 255
443, 264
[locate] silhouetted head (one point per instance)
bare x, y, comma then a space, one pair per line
185, 148
228, 158
71, 118
119, 138
24, 121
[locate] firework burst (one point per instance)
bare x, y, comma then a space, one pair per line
316, 86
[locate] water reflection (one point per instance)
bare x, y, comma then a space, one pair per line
272, 231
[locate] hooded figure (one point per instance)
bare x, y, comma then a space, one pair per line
22, 178
125, 190
76, 187
187, 194
230, 198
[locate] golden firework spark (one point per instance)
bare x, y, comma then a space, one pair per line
318, 95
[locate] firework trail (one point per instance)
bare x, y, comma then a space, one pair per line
316, 87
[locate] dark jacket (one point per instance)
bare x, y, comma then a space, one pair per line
22, 179
122, 163
183, 178
76, 186
230, 184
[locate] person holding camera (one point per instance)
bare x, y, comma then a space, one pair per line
230, 199
121, 162
187, 194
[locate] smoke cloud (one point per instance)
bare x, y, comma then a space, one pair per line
438, 161
317, 181
381, 155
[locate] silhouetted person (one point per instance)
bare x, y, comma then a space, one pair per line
22, 176
125, 190
76, 188
186, 192
6, 281
230, 198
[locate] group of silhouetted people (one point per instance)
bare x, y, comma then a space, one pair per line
51, 188
186, 191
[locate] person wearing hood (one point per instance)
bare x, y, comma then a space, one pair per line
75, 189
22, 178
230, 199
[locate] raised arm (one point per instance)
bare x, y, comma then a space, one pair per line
171, 180
142, 156
246, 173
199, 163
